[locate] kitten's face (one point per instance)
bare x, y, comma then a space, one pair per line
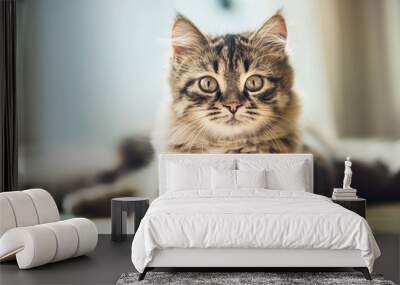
230, 85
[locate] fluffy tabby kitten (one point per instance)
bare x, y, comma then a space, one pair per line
229, 94
232, 93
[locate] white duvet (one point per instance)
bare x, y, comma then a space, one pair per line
250, 218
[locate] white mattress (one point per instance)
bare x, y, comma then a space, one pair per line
252, 218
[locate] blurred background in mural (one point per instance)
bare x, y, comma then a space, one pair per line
94, 77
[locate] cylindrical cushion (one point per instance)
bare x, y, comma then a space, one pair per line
67, 240
33, 246
45, 205
87, 234
23, 208
41, 244
7, 218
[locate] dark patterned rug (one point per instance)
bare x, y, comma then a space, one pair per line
230, 278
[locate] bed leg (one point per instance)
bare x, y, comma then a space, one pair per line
364, 271
143, 274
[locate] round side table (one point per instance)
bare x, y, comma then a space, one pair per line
121, 207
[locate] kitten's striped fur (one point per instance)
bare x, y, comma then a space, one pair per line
232, 119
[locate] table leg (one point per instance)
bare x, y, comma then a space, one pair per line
119, 213
115, 221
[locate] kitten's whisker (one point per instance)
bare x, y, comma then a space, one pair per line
192, 126
274, 141
275, 116
185, 126
192, 136
218, 117
187, 138
248, 117
200, 131
284, 119
182, 134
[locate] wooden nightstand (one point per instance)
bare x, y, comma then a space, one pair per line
357, 205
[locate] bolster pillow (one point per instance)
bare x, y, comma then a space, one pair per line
40, 244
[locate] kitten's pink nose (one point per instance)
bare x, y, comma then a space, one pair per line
233, 106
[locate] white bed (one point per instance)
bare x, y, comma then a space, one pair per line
248, 227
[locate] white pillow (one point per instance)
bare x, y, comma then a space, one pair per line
223, 179
251, 178
193, 174
227, 179
291, 178
188, 177
281, 175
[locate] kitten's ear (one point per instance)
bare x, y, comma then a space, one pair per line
186, 37
273, 33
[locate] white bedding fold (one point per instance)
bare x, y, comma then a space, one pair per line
250, 218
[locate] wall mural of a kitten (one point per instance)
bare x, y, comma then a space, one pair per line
232, 93
229, 94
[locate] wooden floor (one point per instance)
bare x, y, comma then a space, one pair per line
111, 259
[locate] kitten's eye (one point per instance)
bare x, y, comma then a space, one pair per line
208, 84
254, 83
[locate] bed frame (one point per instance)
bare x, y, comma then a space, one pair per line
246, 259
241, 259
